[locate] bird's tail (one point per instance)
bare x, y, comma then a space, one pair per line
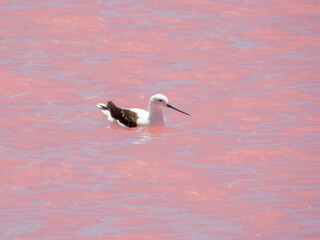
102, 106
108, 106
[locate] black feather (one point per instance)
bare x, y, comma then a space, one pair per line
124, 116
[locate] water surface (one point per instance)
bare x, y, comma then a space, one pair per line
245, 165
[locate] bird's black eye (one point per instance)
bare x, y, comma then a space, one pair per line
160, 100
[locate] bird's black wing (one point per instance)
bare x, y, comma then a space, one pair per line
124, 116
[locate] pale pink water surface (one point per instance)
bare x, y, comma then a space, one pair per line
245, 165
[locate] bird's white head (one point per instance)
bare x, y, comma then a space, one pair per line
159, 102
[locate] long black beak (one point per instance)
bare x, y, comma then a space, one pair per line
168, 105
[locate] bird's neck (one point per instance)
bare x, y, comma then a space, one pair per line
156, 116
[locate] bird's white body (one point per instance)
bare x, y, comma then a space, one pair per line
143, 117
153, 117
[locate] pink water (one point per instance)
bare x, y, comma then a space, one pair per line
245, 165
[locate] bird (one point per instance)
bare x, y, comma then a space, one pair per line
136, 117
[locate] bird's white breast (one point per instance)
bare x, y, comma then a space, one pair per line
143, 116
